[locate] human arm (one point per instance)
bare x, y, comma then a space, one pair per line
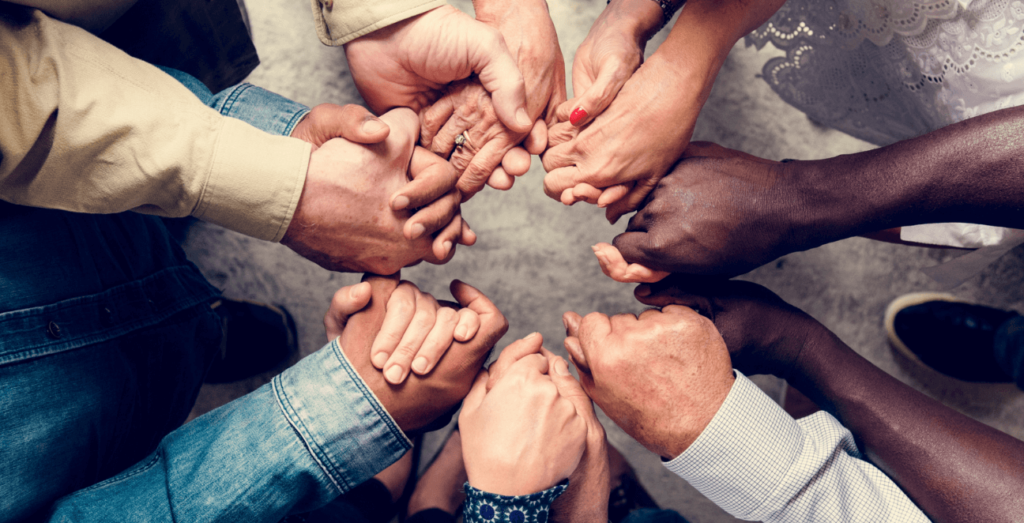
647, 125
512, 465
724, 212
716, 428
953, 467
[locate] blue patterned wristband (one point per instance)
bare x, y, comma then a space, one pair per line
484, 507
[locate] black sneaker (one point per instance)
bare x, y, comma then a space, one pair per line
949, 335
257, 338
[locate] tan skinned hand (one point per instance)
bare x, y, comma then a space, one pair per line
664, 406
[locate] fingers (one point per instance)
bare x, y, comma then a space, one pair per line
582, 192
500, 180
612, 194
593, 101
516, 161
398, 364
434, 217
631, 201
434, 117
437, 342
567, 386
560, 179
444, 243
431, 176
493, 325
531, 344
351, 122
346, 302
537, 141
561, 133
468, 324
401, 308
480, 168
615, 267
498, 73
401, 139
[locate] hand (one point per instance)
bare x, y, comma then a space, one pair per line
352, 214
489, 154
720, 212
359, 316
407, 63
661, 377
763, 333
632, 144
608, 56
614, 266
351, 122
524, 435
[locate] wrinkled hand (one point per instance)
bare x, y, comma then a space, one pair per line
353, 214
763, 333
631, 145
407, 63
489, 154
504, 455
719, 212
661, 377
358, 314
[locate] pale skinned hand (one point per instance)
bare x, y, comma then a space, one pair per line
353, 214
614, 266
661, 377
719, 212
631, 145
490, 154
764, 334
524, 435
358, 314
406, 64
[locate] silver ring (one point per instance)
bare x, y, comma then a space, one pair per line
460, 139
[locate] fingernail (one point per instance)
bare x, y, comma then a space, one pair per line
419, 365
578, 115
373, 126
400, 203
447, 246
643, 290
460, 332
417, 230
522, 118
394, 374
561, 368
531, 335
380, 359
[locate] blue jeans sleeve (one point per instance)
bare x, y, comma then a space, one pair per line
311, 434
256, 106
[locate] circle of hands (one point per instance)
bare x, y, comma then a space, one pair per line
498, 82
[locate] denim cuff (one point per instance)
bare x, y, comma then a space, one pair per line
346, 429
260, 108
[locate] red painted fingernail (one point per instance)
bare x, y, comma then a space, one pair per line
578, 115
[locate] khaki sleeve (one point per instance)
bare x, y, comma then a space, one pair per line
89, 129
341, 21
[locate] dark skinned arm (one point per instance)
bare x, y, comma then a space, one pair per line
724, 212
954, 468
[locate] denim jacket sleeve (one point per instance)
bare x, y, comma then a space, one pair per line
311, 434
253, 105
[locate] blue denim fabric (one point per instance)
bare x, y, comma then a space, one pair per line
294, 444
258, 107
105, 334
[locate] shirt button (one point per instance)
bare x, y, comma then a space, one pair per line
54, 330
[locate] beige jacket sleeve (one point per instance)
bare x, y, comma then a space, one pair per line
341, 21
87, 128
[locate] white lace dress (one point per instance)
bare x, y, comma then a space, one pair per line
889, 70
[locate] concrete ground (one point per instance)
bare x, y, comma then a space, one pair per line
534, 259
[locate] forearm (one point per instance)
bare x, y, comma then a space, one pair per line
953, 467
93, 130
966, 172
293, 445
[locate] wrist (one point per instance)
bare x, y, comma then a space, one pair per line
492, 11
640, 19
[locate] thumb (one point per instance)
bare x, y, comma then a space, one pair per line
346, 302
567, 385
352, 122
596, 98
499, 74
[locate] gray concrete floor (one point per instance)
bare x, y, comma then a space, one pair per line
534, 259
